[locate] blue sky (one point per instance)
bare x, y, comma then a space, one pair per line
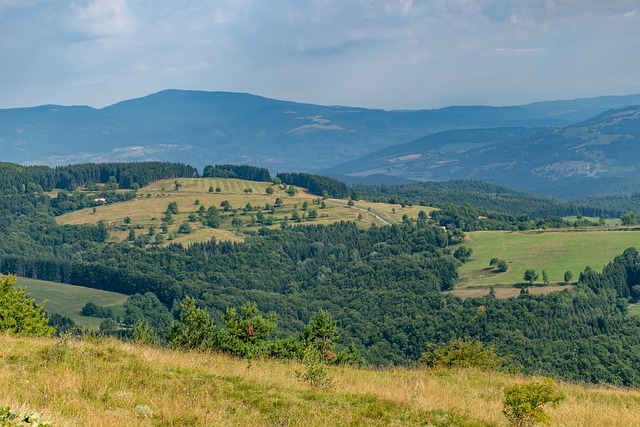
396, 54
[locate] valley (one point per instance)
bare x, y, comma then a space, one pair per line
325, 283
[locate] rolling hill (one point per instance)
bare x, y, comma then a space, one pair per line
202, 128
594, 157
102, 382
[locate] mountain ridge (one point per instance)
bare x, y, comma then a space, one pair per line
199, 128
599, 150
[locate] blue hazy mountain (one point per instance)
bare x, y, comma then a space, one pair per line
202, 128
597, 156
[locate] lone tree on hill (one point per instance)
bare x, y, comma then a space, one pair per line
530, 276
568, 275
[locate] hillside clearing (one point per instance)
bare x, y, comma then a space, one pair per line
147, 210
68, 300
555, 252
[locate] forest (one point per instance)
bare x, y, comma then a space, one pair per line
385, 286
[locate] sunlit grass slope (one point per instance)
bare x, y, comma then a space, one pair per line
152, 201
68, 300
553, 251
110, 383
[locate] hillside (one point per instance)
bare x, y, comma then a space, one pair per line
102, 382
204, 127
251, 206
68, 300
555, 252
594, 157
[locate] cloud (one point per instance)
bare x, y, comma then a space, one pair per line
518, 51
104, 17
8, 4
374, 53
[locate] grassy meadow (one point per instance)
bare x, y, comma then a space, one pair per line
68, 300
103, 382
552, 251
148, 209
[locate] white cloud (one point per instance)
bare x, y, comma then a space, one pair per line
374, 53
104, 17
517, 51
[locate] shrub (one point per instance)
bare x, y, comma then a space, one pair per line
462, 353
316, 370
524, 404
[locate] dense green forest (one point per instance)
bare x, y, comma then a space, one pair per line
316, 184
29, 179
251, 173
489, 197
383, 286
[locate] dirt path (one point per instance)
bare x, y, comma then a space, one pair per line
375, 215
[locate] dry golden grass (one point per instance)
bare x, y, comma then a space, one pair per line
100, 383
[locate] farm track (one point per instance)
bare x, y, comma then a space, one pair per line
375, 215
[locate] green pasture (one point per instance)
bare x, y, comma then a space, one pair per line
634, 309
552, 251
608, 221
68, 300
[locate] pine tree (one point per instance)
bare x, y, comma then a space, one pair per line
18, 313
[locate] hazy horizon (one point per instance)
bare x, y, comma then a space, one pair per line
394, 54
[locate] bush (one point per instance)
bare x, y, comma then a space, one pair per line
524, 404
316, 373
462, 353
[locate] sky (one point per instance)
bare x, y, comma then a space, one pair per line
389, 54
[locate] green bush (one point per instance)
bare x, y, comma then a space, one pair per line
524, 404
316, 373
462, 353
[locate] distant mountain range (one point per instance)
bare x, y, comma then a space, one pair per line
598, 156
527, 146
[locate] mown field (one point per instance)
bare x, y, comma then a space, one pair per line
103, 382
68, 300
552, 251
147, 210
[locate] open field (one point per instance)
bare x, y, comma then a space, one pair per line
98, 382
502, 292
553, 251
147, 210
68, 300
634, 309
611, 222
393, 213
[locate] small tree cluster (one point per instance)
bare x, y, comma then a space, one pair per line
462, 353
499, 265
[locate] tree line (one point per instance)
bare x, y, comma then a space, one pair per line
18, 179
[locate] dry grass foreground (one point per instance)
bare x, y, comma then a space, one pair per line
96, 382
